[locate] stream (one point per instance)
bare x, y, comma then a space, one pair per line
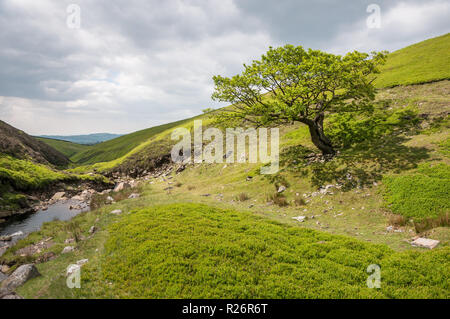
22, 225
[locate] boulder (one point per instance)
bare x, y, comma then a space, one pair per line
121, 186
116, 212
20, 276
425, 242
58, 196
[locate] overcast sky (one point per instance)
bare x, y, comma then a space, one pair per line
135, 64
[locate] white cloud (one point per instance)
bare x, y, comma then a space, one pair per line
134, 64
401, 25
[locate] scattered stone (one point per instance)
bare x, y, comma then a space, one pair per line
35, 248
389, 228
7, 294
45, 257
92, 230
109, 200
180, 169
71, 269
4, 269
121, 186
58, 196
206, 195
299, 218
425, 242
19, 233
116, 212
82, 262
249, 178
134, 195
2, 277
20, 276
281, 189
69, 241
5, 238
67, 249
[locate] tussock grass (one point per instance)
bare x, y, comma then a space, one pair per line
422, 194
196, 251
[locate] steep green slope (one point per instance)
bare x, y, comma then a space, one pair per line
67, 148
115, 148
422, 62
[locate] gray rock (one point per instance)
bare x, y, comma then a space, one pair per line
20, 276
109, 199
92, 230
116, 212
299, 218
68, 249
121, 186
425, 242
58, 196
2, 276
134, 195
281, 189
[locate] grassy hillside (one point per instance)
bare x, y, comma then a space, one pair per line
67, 148
115, 148
24, 175
419, 63
422, 62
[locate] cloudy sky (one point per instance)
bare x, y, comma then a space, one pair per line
135, 64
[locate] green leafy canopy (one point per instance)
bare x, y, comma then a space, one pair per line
291, 84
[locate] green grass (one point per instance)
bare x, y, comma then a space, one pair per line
422, 194
24, 175
190, 250
67, 148
118, 147
422, 62
196, 251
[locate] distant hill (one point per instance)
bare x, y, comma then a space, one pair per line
67, 148
426, 61
18, 144
87, 139
115, 148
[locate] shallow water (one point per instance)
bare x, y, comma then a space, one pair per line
33, 222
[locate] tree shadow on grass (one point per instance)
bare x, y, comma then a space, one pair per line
359, 166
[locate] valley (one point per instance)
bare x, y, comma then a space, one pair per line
158, 229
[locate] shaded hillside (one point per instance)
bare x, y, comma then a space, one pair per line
67, 148
426, 61
17, 143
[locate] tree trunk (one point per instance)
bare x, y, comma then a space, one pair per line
318, 137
